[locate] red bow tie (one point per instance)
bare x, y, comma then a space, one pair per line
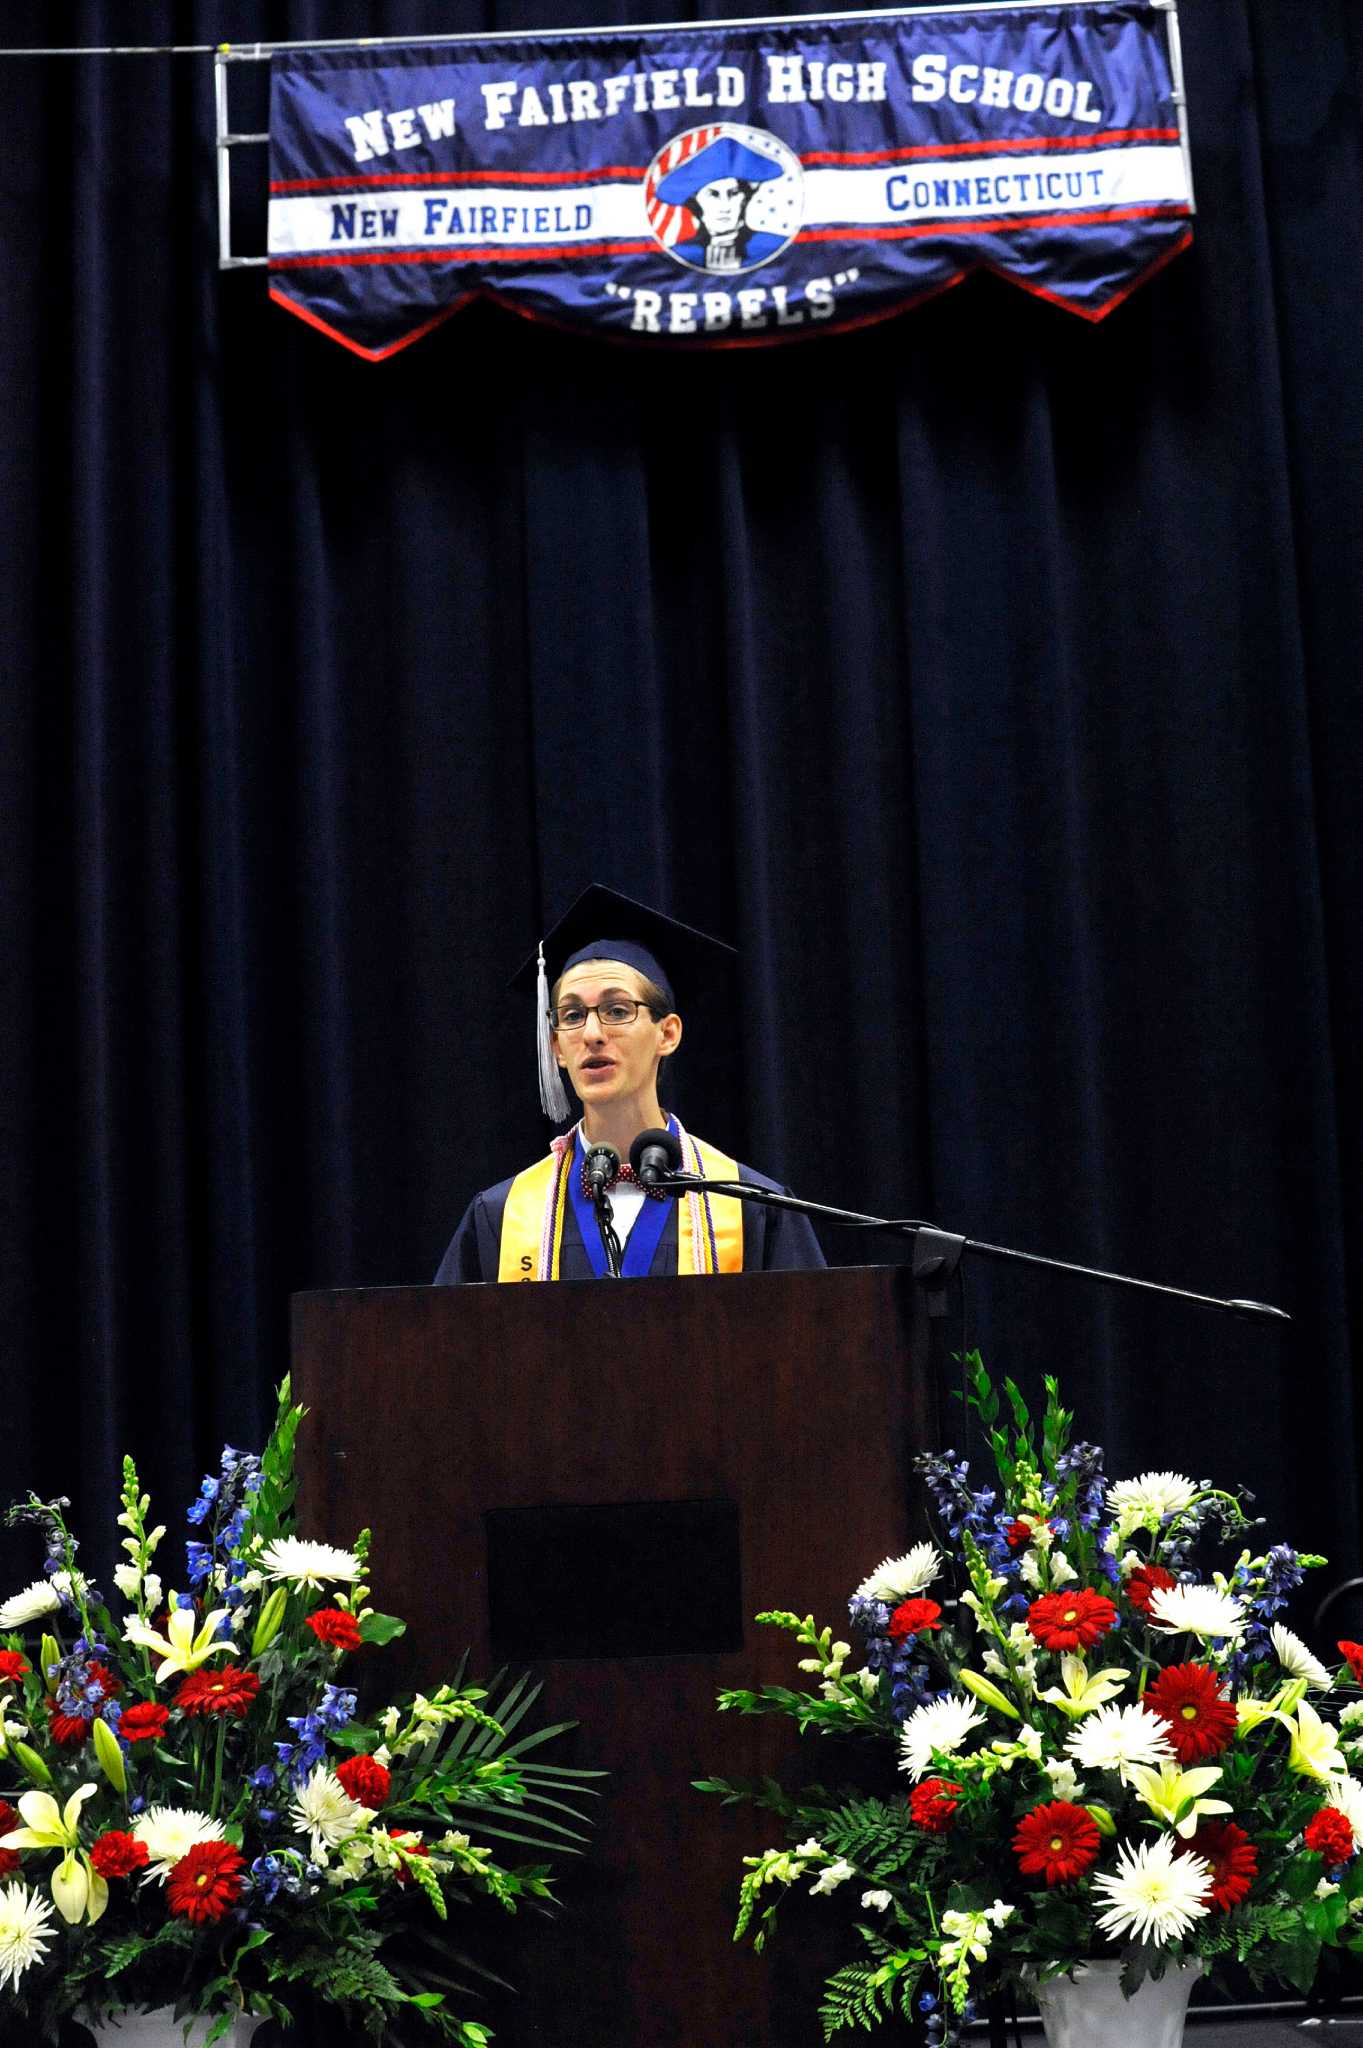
627, 1174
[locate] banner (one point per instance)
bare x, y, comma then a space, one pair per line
722, 185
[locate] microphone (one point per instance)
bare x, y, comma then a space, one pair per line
655, 1154
603, 1163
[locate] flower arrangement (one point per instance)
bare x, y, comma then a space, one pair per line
195, 1815
1097, 1748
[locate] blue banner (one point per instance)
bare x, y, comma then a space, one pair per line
723, 185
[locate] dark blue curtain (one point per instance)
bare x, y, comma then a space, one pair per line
990, 678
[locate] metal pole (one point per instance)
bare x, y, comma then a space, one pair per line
1169, 8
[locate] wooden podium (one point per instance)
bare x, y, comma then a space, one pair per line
607, 1483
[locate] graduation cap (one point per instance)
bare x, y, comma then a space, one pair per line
725, 157
601, 924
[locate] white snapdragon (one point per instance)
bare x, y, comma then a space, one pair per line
876, 1902
828, 1880
1062, 1571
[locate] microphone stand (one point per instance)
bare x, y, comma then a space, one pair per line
937, 1254
605, 1223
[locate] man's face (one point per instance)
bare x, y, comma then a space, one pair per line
607, 1066
720, 205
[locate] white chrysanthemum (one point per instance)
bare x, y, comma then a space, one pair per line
1198, 1611
40, 1598
309, 1564
899, 1578
323, 1809
1149, 1499
940, 1725
1114, 1738
1154, 1894
170, 1832
1347, 1794
1297, 1660
25, 1931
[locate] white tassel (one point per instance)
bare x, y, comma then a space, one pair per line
553, 1100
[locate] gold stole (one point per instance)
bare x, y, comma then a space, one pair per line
709, 1227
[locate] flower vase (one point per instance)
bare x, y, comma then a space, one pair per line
160, 2029
1088, 2010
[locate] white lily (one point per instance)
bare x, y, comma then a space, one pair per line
1315, 1751
1174, 1795
184, 1647
1084, 1689
77, 1888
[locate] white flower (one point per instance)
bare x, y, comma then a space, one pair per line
1000, 1912
1297, 1660
836, 1874
1200, 1610
1174, 1795
25, 1931
1113, 1738
1352, 1714
1347, 1794
899, 1578
188, 1642
1144, 1502
1062, 1571
1063, 1777
36, 1600
876, 1902
1155, 1895
308, 1564
813, 1847
1030, 1568
324, 1809
128, 1580
940, 1725
170, 1832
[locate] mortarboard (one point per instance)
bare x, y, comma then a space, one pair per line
726, 157
601, 924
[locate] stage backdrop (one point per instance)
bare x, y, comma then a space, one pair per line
990, 678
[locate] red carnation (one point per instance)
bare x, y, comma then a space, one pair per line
228, 1690
205, 1882
366, 1781
1019, 1534
932, 1805
145, 1722
1070, 1620
1145, 1580
337, 1629
117, 1854
1352, 1653
914, 1617
1057, 1841
13, 1665
1232, 1856
9, 1858
1329, 1834
1200, 1719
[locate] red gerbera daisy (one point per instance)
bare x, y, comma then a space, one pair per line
145, 1722
1071, 1620
1145, 1580
1200, 1719
914, 1617
68, 1731
1232, 1856
337, 1629
1352, 1653
932, 1805
368, 1783
228, 1690
13, 1665
205, 1882
117, 1854
1058, 1842
9, 1858
1329, 1834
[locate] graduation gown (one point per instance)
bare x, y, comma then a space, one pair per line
773, 1239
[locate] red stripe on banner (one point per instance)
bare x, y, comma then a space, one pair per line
359, 183
461, 255
991, 224
371, 355
1040, 145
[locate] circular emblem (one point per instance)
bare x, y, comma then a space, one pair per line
722, 199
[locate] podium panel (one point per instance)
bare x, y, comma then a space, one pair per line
605, 1484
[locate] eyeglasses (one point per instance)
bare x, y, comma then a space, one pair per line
615, 1015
